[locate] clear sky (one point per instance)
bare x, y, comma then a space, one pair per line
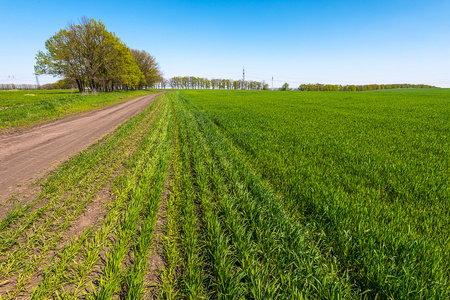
336, 42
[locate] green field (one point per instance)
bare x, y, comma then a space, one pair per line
247, 195
366, 174
22, 108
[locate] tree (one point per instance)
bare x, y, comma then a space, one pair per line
62, 58
65, 83
96, 58
284, 87
148, 66
126, 69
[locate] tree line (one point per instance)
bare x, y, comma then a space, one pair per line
192, 82
96, 59
356, 88
12, 86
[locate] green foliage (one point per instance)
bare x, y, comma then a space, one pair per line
62, 84
354, 88
284, 87
148, 66
93, 57
191, 82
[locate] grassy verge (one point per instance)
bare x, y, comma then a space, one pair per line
20, 109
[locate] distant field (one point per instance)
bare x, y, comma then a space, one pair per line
246, 195
25, 108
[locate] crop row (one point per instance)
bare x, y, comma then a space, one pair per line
237, 239
368, 173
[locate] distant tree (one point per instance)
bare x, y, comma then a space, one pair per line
207, 84
284, 87
65, 83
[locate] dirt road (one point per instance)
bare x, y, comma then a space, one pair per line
28, 155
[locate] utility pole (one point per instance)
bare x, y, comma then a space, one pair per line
37, 81
272, 82
243, 77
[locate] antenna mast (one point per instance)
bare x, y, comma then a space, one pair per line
37, 81
243, 78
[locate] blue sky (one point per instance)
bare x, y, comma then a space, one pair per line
337, 42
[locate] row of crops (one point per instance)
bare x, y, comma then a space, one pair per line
364, 177
247, 195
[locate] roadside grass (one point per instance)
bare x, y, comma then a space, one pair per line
25, 108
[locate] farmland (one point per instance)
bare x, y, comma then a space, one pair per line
365, 174
246, 195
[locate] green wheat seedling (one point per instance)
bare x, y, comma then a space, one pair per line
365, 173
122, 189
256, 281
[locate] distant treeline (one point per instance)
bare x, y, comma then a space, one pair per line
356, 88
191, 82
96, 59
62, 84
12, 86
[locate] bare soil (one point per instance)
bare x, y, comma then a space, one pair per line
156, 262
27, 155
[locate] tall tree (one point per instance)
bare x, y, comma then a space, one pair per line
96, 58
148, 66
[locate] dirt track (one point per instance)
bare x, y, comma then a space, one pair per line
26, 156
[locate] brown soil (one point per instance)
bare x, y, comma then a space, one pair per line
156, 262
28, 154
92, 217
94, 214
